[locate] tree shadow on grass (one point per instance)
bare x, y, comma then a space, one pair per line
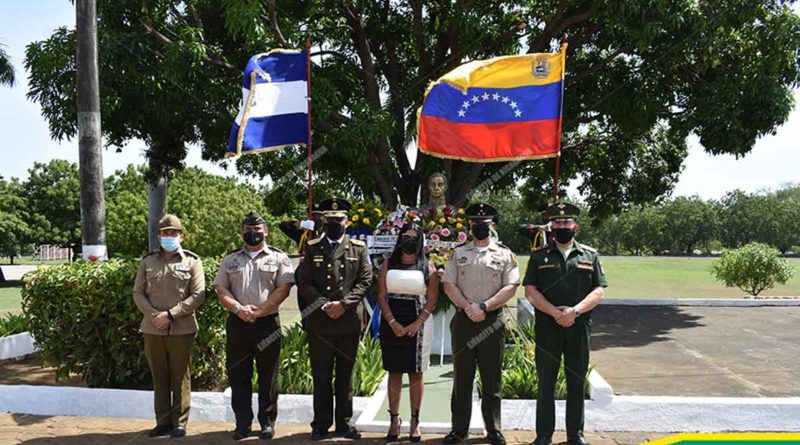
634, 326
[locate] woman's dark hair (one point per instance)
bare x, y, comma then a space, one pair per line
421, 258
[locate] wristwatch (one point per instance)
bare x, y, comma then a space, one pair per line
235, 309
577, 312
483, 307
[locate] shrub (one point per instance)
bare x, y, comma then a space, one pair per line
12, 324
84, 322
752, 268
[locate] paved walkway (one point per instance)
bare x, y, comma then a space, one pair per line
37, 430
698, 351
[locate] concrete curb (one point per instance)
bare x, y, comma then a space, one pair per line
15, 346
96, 402
705, 302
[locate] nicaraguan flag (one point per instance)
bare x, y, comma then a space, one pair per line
274, 110
501, 109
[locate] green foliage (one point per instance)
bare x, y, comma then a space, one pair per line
368, 370
93, 303
294, 374
752, 268
694, 68
15, 234
11, 324
6, 68
52, 196
210, 207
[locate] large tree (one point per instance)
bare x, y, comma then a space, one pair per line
14, 230
6, 68
641, 77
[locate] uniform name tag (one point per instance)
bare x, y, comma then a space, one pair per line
547, 266
584, 266
351, 258
183, 267
319, 258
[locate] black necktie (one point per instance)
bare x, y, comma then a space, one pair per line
334, 246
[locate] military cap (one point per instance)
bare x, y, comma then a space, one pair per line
480, 211
170, 222
253, 219
315, 209
334, 207
561, 210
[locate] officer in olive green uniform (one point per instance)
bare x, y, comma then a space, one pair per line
251, 283
480, 278
332, 278
564, 282
169, 287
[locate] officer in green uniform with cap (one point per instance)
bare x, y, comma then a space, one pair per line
333, 278
564, 282
480, 278
169, 287
251, 284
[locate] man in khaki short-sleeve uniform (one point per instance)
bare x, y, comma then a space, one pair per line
169, 287
251, 283
479, 279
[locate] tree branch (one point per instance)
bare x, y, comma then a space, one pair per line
210, 57
598, 66
557, 24
273, 22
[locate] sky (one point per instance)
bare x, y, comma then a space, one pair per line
25, 138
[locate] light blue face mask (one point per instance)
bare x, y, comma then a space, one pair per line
170, 243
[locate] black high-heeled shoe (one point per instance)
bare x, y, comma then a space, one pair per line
394, 437
411, 437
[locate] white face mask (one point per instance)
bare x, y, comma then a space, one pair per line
170, 243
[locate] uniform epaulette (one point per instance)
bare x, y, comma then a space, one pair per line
499, 243
358, 242
540, 248
589, 248
233, 251
276, 249
313, 241
191, 254
149, 253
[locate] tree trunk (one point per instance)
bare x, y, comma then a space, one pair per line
93, 209
156, 209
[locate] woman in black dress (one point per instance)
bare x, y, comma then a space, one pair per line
408, 286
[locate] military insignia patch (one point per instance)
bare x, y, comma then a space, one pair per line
183, 267
463, 260
286, 261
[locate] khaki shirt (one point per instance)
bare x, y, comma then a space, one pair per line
251, 280
479, 275
177, 285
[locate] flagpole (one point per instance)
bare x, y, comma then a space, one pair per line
308, 141
561, 120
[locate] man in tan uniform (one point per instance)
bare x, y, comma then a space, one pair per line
169, 287
480, 278
251, 283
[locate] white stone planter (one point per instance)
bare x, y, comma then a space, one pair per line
441, 333
17, 345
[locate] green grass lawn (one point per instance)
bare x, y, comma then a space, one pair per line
670, 277
10, 299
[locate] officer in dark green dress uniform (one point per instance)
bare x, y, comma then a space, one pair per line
333, 278
480, 278
564, 282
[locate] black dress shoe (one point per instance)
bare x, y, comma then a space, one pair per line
267, 432
318, 434
178, 432
577, 440
241, 433
160, 430
349, 433
454, 437
542, 441
496, 438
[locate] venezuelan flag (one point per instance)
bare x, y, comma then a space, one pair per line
501, 109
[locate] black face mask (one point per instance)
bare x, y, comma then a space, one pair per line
480, 231
409, 245
253, 238
563, 236
334, 230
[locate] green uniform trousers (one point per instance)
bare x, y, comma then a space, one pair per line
169, 357
478, 345
552, 341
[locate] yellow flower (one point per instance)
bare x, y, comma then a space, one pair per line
360, 210
459, 220
460, 211
355, 218
431, 223
378, 213
365, 221
442, 220
459, 225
